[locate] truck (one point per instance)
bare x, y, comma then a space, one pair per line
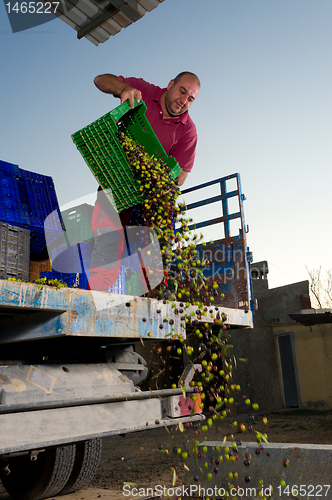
69, 370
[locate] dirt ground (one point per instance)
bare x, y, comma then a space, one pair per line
137, 458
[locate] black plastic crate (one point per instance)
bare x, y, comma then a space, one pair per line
14, 252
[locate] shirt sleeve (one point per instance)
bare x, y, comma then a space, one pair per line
137, 83
185, 149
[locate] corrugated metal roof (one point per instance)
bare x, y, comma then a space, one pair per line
311, 319
97, 20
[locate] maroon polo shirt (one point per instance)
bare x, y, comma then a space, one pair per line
178, 136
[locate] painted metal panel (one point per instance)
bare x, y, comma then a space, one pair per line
234, 317
44, 428
26, 385
85, 313
73, 312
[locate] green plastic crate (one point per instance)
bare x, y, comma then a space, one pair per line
78, 223
103, 153
133, 285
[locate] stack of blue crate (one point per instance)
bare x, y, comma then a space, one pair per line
119, 286
73, 280
81, 280
26, 200
71, 265
72, 258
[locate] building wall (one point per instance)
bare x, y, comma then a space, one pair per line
259, 377
313, 357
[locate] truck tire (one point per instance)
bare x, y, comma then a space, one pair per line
42, 478
87, 459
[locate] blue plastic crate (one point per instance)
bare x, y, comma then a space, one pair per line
131, 261
84, 247
81, 280
74, 280
11, 209
8, 169
37, 238
119, 286
73, 258
10, 217
131, 255
13, 199
26, 200
41, 196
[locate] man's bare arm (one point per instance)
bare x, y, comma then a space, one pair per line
110, 84
182, 177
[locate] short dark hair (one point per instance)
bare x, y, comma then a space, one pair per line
184, 73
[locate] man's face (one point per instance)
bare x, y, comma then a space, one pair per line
180, 96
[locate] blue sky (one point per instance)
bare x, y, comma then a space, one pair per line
264, 109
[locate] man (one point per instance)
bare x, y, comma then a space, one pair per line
167, 111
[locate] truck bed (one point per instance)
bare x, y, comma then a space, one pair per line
32, 312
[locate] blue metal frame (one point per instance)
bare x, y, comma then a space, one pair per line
237, 242
223, 197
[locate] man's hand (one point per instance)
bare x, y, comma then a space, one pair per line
131, 94
182, 177
110, 84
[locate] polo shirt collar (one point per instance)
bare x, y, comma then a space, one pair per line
157, 96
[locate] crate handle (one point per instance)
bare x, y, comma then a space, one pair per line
121, 110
